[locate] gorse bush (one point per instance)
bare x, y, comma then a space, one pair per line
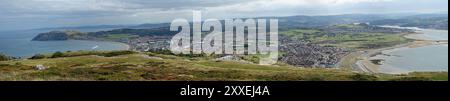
57, 55
38, 56
412, 79
4, 57
116, 53
362, 77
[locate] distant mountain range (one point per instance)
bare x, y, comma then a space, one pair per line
434, 21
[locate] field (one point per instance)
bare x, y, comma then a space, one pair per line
117, 36
124, 66
358, 41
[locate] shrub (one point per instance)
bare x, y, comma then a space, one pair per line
164, 52
412, 79
252, 58
192, 55
116, 53
57, 55
362, 77
4, 57
38, 56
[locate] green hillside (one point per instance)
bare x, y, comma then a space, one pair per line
130, 66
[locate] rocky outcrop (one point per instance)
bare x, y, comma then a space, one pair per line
40, 67
52, 36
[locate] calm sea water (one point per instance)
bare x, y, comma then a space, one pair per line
19, 44
430, 34
428, 58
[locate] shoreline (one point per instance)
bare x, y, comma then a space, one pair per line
365, 64
127, 46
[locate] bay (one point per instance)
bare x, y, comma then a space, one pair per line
431, 58
19, 44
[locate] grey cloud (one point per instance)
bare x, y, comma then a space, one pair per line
44, 13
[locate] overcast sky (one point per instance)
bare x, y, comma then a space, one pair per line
27, 14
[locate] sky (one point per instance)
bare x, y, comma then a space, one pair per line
29, 14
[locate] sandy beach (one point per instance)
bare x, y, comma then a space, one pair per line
128, 47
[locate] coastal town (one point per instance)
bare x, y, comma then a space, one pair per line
148, 44
296, 52
312, 55
351, 47
325, 46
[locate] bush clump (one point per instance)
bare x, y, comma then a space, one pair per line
362, 77
116, 53
4, 57
57, 55
412, 79
38, 56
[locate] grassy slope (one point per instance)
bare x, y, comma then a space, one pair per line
86, 65
137, 66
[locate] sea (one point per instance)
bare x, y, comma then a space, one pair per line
19, 44
431, 58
